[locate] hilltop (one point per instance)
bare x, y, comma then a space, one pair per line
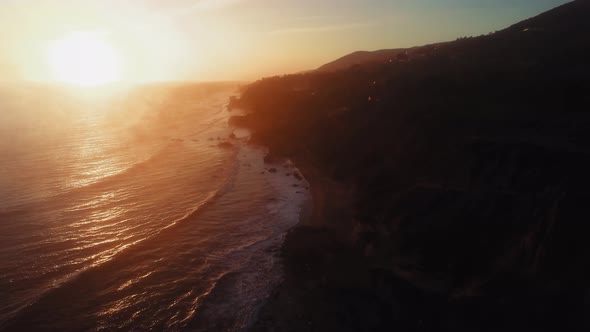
566, 20
364, 57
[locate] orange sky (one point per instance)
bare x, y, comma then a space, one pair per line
237, 39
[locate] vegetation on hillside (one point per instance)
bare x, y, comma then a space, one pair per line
467, 161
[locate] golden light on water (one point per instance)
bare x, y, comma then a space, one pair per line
83, 59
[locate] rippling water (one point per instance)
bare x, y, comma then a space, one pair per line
121, 211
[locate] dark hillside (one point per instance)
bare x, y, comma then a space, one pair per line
461, 170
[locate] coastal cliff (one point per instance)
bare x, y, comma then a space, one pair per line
449, 185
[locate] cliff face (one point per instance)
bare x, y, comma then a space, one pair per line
333, 201
462, 169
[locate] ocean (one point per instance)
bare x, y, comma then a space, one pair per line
123, 210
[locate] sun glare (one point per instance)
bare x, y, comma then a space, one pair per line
83, 59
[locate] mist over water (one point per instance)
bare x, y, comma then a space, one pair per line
122, 211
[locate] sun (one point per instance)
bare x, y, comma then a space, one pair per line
83, 59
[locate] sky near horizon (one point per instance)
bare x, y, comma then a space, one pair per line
203, 40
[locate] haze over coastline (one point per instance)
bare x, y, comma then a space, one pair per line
211, 40
287, 166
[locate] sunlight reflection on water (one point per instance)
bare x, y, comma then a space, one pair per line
137, 210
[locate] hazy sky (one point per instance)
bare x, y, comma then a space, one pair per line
240, 39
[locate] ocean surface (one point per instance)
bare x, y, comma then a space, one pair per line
121, 210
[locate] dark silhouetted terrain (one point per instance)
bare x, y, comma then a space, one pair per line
450, 183
365, 57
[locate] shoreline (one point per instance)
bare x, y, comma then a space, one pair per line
234, 302
315, 264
